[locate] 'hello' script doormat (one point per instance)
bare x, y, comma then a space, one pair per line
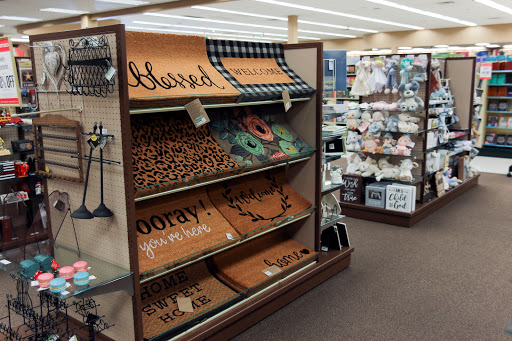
253, 202
168, 147
183, 224
160, 310
172, 70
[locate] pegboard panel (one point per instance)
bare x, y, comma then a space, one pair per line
105, 238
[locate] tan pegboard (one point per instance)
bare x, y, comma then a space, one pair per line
105, 238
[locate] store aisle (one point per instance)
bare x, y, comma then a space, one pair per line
446, 278
491, 164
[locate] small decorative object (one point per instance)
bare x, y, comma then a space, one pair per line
7, 170
44, 279
54, 61
3, 151
400, 197
353, 119
406, 167
28, 268
81, 265
336, 172
57, 285
351, 188
330, 207
410, 100
36, 275
66, 272
403, 144
44, 261
376, 195
440, 184
370, 143
353, 163
391, 82
451, 181
81, 278
387, 143
22, 146
353, 141
55, 265
361, 86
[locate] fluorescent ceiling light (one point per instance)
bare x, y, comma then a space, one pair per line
19, 40
493, 46
419, 11
164, 30
126, 2
374, 49
340, 14
25, 37
482, 44
63, 10
213, 9
442, 46
507, 46
328, 33
10, 17
2, 25
405, 48
495, 5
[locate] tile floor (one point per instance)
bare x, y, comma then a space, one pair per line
491, 164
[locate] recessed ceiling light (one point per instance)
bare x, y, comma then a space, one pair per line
495, 5
325, 11
426, 13
10, 17
482, 44
19, 40
493, 46
63, 10
405, 48
442, 46
126, 2
374, 49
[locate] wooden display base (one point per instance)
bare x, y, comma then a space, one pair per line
236, 320
406, 219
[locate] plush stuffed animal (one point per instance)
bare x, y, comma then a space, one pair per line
378, 105
392, 123
435, 67
367, 168
353, 119
387, 170
393, 107
378, 77
353, 163
452, 181
374, 129
402, 145
353, 142
387, 143
384, 163
410, 100
366, 120
391, 82
421, 67
361, 86
378, 119
365, 106
370, 143
407, 123
406, 167
405, 72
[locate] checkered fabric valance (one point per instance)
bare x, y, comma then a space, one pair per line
219, 49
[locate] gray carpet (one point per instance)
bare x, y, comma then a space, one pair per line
446, 278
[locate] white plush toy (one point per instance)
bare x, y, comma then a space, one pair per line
353, 118
367, 168
378, 118
410, 100
407, 123
352, 163
405, 170
366, 120
353, 142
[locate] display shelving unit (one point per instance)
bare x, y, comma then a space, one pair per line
461, 71
114, 240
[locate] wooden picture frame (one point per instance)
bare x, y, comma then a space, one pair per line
440, 184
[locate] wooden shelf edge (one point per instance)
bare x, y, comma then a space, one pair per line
255, 309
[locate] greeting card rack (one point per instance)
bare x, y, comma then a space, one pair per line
461, 72
115, 239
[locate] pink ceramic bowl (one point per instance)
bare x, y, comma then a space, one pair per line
44, 280
66, 272
81, 265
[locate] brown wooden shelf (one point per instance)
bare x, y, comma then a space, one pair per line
402, 218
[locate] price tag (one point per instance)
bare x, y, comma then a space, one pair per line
486, 71
185, 304
41, 289
197, 113
229, 236
64, 293
5, 262
91, 277
110, 73
286, 100
324, 248
67, 285
73, 338
271, 271
34, 283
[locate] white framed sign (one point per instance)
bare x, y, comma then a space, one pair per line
10, 95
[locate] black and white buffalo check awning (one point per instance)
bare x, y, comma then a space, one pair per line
218, 49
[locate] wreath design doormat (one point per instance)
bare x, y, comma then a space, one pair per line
160, 312
182, 224
250, 203
241, 267
168, 147
258, 70
252, 135
172, 70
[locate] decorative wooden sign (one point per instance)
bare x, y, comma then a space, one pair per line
440, 184
351, 188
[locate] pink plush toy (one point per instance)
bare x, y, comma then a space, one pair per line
402, 145
366, 120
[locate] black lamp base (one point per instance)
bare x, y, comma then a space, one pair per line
82, 213
102, 211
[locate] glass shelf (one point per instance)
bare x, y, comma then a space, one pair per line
501, 71
330, 188
383, 132
497, 145
400, 111
412, 182
499, 112
330, 158
199, 180
498, 97
211, 106
332, 138
105, 272
324, 222
489, 127
229, 243
415, 155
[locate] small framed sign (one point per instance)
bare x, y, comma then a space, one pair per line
351, 188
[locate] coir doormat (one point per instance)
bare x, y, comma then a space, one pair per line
168, 147
255, 202
252, 135
244, 266
182, 224
172, 70
160, 311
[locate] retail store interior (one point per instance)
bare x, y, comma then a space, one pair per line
255, 169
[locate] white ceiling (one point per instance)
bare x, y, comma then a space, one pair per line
467, 10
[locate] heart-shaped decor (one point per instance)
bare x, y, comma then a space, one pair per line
54, 60
304, 251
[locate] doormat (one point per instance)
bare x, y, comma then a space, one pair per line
258, 70
252, 135
172, 70
250, 203
243, 267
160, 311
179, 225
167, 148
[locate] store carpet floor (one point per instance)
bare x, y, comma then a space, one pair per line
446, 278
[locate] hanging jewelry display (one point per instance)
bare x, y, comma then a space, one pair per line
90, 67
